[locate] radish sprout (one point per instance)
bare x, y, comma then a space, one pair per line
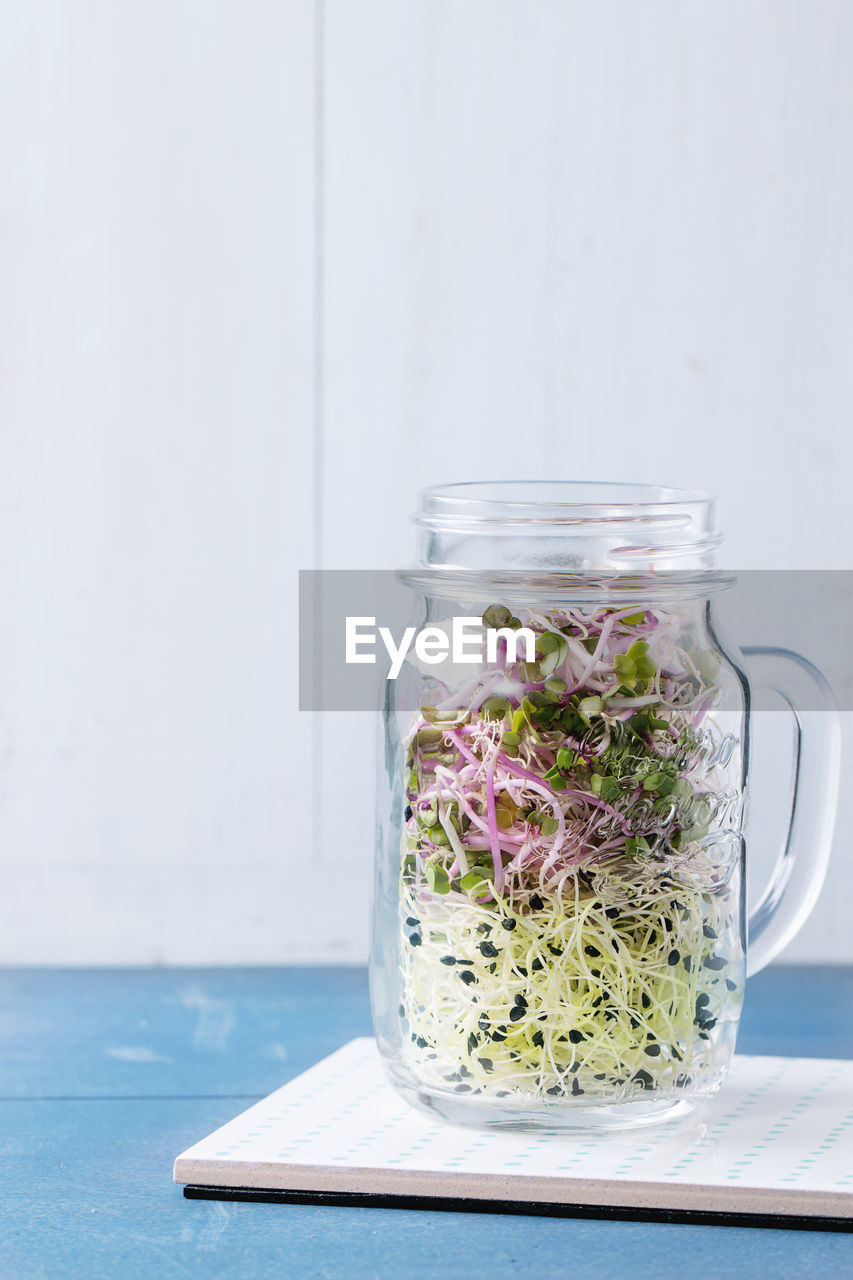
569, 863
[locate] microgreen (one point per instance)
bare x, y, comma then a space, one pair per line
575, 938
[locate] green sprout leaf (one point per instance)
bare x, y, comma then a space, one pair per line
475, 883
610, 789
437, 877
497, 615
625, 667
589, 707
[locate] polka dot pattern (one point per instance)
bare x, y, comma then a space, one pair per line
779, 1124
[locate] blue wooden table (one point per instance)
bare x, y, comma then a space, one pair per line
106, 1075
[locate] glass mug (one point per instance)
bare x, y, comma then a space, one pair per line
559, 916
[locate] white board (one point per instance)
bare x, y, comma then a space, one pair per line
777, 1139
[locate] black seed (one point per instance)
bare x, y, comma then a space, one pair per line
483, 1022
462, 1088
410, 920
687, 961
682, 1081
519, 999
508, 924
421, 1043
555, 951
538, 1039
499, 1035
709, 1023
595, 973
467, 977
673, 957
601, 1075
576, 1089
493, 966
484, 927
502, 1093
592, 951
486, 1064
463, 1071
536, 902
515, 1013
472, 1042
714, 962
634, 1023
653, 1050
576, 1036
643, 1078
702, 999
415, 939
554, 1090
708, 931
675, 1053
448, 960
732, 986
408, 812
645, 1000
612, 913
521, 971
597, 1001
536, 965
488, 949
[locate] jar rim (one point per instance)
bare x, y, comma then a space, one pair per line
574, 588
469, 504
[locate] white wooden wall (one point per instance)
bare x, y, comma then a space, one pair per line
267, 269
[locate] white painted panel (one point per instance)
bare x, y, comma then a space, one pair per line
590, 240
582, 240
157, 206
557, 239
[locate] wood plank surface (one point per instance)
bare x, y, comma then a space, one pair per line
85, 1183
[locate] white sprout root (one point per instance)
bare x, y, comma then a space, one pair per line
563, 994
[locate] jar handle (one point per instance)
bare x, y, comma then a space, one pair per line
800, 868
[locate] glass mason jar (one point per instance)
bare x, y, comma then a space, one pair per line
559, 922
